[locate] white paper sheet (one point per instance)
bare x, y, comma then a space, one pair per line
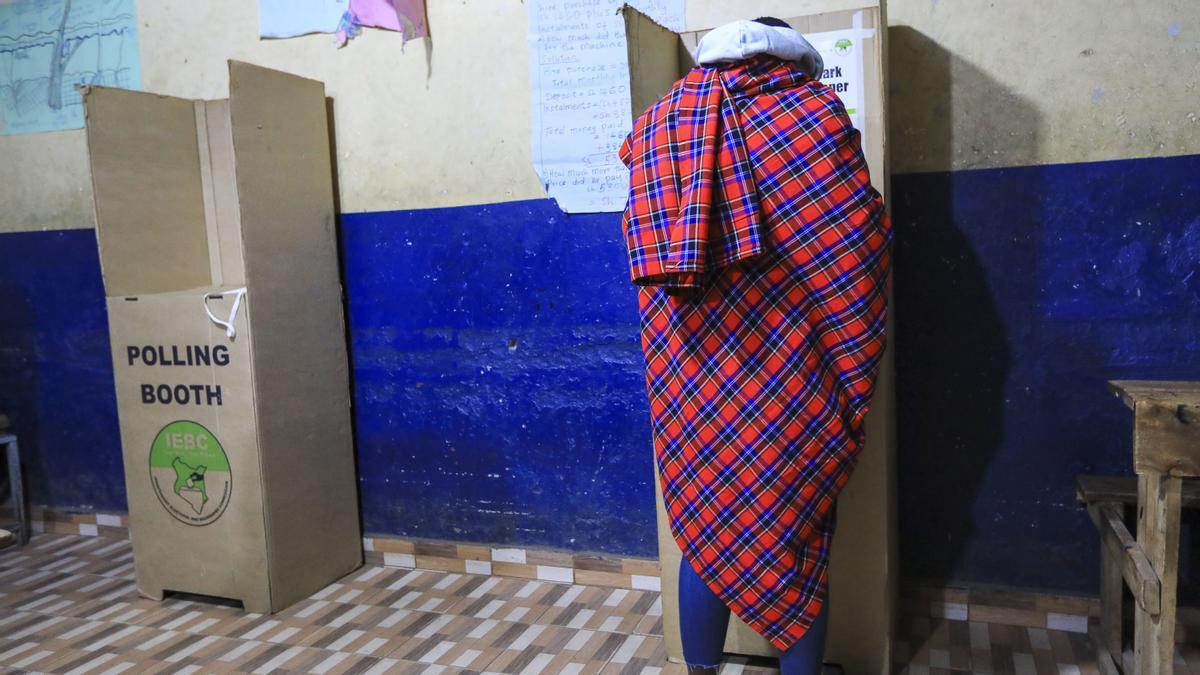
581, 106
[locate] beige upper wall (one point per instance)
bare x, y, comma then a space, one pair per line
415, 128
979, 83
973, 84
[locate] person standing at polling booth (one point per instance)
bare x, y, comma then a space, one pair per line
761, 252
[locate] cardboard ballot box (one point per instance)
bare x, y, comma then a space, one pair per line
216, 228
862, 568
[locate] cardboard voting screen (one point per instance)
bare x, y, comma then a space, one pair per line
217, 246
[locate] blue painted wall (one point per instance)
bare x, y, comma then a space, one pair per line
56, 382
499, 388
498, 380
1019, 293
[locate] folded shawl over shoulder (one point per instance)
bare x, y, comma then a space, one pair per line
692, 207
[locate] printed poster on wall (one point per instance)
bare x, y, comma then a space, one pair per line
842, 51
48, 47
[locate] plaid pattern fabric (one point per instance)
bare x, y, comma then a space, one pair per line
760, 378
688, 190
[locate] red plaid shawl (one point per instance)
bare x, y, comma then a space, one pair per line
759, 373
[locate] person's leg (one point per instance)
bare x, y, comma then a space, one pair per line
703, 620
805, 656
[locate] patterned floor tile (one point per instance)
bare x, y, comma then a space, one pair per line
508, 599
636, 655
614, 610
68, 604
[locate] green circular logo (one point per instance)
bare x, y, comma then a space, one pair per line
190, 473
843, 46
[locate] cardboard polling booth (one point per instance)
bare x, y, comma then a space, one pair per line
863, 566
215, 221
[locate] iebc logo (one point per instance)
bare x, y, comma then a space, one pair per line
190, 473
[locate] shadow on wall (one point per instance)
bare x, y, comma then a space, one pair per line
953, 355
941, 106
331, 124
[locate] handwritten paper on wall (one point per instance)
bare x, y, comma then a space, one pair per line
581, 105
47, 47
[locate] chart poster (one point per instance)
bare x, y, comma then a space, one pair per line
48, 47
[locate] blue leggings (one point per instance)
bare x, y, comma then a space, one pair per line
704, 618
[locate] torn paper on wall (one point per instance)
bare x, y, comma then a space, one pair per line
406, 17
581, 105
292, 18
344, 18
48, 47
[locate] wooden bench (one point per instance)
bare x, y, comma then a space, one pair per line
1166, 449
1123, 490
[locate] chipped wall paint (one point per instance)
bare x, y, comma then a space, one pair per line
56, 380
499, 387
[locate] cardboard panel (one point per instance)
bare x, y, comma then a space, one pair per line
148, 198
176, 545
653, 59
868, 18
285, 188
708, 13
863, 567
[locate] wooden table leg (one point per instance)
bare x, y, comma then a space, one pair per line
1158, 536
1112, 587
17, 483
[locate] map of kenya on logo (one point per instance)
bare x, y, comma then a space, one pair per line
190, 473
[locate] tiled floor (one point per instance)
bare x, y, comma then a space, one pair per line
68, 605
945, 646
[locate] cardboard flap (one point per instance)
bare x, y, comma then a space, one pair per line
285, 188
653, 59
149, 203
